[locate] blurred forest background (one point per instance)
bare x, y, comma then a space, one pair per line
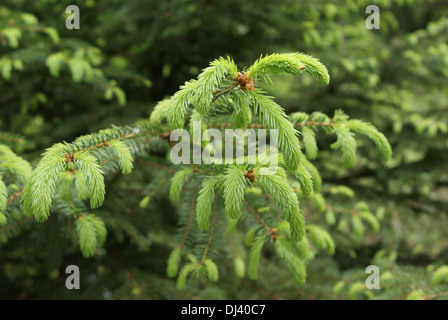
57, 84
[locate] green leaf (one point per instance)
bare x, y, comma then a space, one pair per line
160, 111
319, 201
29, 18
144, 202
18, 65
440, 275
120, 95
314, 67
10, 162
250, 237
346, 143
65, 185
234, 184
204, 203
87, 236
321, 238
182, 279
241, 115
177, 183
356, 288
371, 219
54, 63
338, 286
3, 219
357, 226
173, 263
315, 176
94, 178
125, 159
39, 190
330, 217
288, 252
286, 199
273, 117
303, 249
3, 195
254, 257
100, 228
81, 186
77, 69
178, 105
305, 180
6, 67
239, 267
13, 36
276, 63
309, 141
53, 33
373, 134
416, 295
208, 81
212, 270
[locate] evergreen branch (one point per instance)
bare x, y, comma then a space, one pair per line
125, 159
233, 184
260, 126
205, 202
288, 252
160, 111
212, 270
16, 141
305, 179
315, 176
177, 182
190, 219
157, 187
10, 162
257, 216
286, 199
87, 236
94, 178
309, 140
254, 257
173, 262
178, 105
276, 63
273, 117
346, 143
3, 201
242, 115
372, 133
210, 233
293, 63
182, 279
321, 238
40, 188
226, 90
314, 124
314, 67
14, 225
14, 196
209, 80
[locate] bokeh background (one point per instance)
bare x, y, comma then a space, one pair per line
57, 84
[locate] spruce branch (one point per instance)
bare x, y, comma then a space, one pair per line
274, 117
210, 233
286, 199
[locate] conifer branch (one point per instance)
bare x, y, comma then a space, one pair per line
257, 216
210, 233
190, 219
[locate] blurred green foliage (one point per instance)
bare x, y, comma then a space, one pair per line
57, 84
